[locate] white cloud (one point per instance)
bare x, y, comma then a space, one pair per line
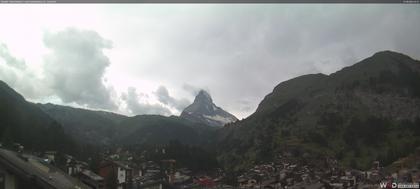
14, 71
136, 105
239, 52
163, 96
75, 68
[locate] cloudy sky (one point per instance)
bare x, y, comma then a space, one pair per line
152, 58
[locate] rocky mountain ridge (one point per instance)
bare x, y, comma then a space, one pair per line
203, 110
364, 112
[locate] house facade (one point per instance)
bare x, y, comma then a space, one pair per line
116, 174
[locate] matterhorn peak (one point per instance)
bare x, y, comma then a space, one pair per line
203, 96
203, 110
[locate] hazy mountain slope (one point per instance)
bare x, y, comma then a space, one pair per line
105, 128
367, 111
86, 126
155, 129
203, 110
24, 123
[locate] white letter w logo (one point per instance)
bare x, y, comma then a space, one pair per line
382, 184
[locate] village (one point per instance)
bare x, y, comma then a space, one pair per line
120, 169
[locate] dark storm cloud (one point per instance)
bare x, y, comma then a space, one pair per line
163, 96
194, 90
75, 68
135, 106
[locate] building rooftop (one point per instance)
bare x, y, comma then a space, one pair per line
32, 168
92, 175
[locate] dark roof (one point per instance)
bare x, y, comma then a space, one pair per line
33, 169
154, 183
92, 175
120, 164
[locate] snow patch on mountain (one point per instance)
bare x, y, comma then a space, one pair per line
220, 118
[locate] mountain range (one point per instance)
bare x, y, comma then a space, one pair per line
364, 112
105, 128
368, 111
85, 126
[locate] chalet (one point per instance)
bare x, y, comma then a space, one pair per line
116, 174
22, 171
50, 155
91, 179
178, 177
348, 180
74, 167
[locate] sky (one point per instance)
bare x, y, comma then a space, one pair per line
154, 58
